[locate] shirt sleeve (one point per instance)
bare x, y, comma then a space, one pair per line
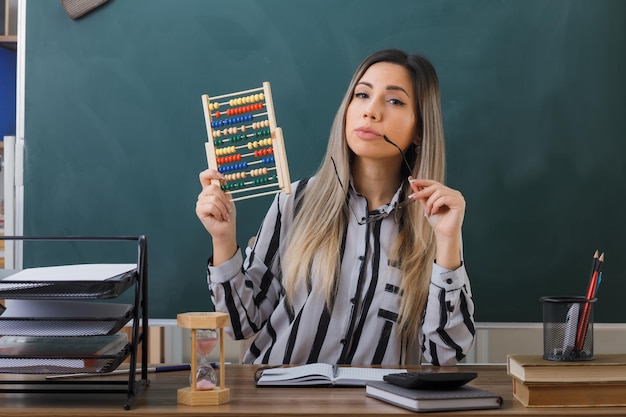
250, 290
448, 328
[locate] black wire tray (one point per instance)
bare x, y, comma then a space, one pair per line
63, 364
65, 290
63, 318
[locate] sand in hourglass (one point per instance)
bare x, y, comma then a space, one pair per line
204, 346
206, 378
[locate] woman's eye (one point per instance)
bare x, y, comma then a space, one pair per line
396, 102
361, 95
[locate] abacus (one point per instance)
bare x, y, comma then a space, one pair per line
244, 143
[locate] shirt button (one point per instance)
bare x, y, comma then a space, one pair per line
449, 281
361, 257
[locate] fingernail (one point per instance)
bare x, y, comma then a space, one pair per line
412, 196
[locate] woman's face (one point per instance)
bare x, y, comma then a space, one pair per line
383, 104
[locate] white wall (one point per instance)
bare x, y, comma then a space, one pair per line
494, 341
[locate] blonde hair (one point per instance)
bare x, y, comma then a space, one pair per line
314, 242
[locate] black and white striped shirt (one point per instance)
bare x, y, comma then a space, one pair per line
361, 328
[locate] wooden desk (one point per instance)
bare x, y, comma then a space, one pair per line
159, 399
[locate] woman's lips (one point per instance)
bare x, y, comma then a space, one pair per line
367, 133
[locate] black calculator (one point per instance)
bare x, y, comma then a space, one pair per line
430, 380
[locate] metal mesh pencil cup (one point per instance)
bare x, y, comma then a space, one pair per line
567, 328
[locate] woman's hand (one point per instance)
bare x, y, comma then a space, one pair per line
217, 213
444, 208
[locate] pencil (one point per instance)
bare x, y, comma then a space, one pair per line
594, 263
153, 369
591, 291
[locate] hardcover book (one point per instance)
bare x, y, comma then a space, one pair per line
533, 368
462, 398
570, 394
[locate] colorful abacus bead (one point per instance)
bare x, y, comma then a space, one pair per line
260, 181
258, 172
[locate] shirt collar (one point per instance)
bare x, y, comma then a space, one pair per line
385, 208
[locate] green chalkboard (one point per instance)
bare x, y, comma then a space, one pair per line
534, 102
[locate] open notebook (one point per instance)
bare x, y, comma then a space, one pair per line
322, 374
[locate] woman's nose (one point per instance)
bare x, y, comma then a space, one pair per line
372, 112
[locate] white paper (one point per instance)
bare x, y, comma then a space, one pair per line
79, 272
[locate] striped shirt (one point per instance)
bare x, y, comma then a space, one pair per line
361, 328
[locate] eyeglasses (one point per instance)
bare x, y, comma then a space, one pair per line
396, 208
401, 153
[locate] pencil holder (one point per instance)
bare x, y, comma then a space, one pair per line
567, 328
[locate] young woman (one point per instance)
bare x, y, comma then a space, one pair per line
362, 263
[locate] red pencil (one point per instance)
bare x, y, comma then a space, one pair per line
591, 291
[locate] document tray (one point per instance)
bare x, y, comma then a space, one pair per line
66, 290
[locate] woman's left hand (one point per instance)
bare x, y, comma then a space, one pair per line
443, 206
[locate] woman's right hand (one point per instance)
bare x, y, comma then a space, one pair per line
216, 211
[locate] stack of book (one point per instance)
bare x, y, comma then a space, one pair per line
542, 383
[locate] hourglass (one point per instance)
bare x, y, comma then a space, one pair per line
205, 375
203, 389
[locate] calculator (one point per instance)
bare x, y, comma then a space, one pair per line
430, 380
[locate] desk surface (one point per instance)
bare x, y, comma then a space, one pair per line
159, 399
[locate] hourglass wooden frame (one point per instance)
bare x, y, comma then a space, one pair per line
198, 321
245, 144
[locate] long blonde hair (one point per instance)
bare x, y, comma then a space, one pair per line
314, 243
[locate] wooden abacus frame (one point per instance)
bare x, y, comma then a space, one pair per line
200, 320
240, 103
